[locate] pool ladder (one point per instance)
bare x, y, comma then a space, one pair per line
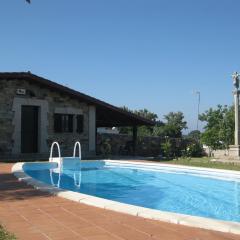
60, 160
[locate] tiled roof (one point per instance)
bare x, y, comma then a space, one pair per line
107, 114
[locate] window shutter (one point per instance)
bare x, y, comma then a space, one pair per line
70, 123
63, 123
57, 123
80, 124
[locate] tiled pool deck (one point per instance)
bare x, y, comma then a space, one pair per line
31, 214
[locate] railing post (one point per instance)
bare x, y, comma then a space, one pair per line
79, 149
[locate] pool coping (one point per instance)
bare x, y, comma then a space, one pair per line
170, 217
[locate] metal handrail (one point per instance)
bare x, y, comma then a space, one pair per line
80, 150
51, 151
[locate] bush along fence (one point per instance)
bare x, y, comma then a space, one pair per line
122, 144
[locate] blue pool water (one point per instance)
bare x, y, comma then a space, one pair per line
174, 192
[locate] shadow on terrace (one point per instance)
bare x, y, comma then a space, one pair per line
13, 190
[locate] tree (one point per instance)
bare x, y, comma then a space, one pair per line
195, 135
147, 114
146, 130
173, 126
176, 119
219, 129
142, 130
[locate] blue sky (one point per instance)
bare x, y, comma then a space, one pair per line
140, 53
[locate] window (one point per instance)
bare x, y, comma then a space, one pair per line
79, 123
63, 123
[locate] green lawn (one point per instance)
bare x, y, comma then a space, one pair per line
4, 235
203, 162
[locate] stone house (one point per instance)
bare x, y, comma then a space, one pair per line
35, 111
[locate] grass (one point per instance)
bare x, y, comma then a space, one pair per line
4, 235
204, 162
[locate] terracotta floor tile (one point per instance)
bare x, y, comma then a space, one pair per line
90, 231
103, 237
78, 226
32, 237
62, 234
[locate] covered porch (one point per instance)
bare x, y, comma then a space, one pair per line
115, 117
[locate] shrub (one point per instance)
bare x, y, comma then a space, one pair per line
105, 148
167, 148
194, 149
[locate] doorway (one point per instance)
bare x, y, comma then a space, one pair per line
29, 129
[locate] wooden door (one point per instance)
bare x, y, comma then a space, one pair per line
29, 129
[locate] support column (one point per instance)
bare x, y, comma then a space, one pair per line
236, 105
134, 140
234, 150
92, 129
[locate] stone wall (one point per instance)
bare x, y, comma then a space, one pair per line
54, 100
121, 144
6, 116
220, 153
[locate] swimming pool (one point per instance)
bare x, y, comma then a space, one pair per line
199, 192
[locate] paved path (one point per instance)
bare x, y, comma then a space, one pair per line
33, 215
